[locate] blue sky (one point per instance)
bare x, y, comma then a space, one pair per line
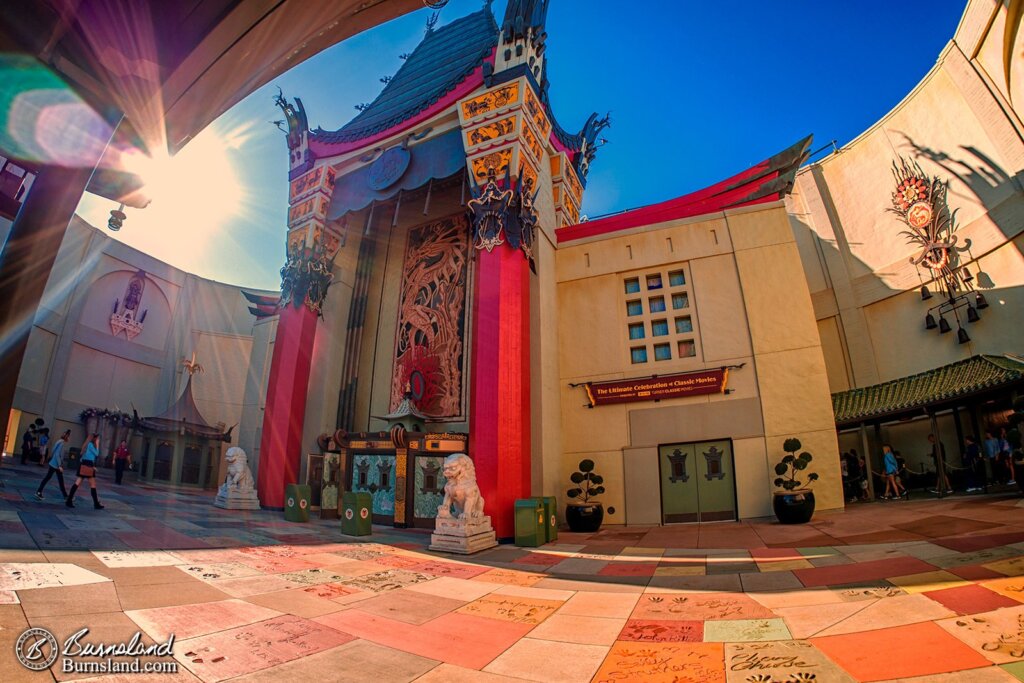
697, 92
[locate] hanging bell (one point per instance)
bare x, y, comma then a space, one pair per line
925, 294
944, 325
972, 314
961, 336
929, 322
967, 277
979, 301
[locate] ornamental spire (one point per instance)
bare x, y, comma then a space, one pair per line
523, 36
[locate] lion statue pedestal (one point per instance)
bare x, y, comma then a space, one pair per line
461, 526
238, 492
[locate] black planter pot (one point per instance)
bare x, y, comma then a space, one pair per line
794, 507
584, 518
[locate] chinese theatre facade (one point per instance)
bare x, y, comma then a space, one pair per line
441, 295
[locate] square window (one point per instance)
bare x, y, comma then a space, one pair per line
684, 325
662, 352
687, 348
634, 308
632, 285
636, 331
676, 278
638, 354
657, 304
659, 328
654, 282
680, 301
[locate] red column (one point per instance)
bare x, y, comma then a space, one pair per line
499, 432
281, 444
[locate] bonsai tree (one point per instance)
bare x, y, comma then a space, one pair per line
791, 465
587, 483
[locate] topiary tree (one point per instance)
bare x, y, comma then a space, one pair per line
791, 464
587, 483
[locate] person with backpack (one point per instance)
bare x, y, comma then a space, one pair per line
87, 470
56, 466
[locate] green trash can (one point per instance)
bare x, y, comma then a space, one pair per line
296, 502
530, 523
550, 518
356, 513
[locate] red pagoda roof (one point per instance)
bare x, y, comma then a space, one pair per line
768, 181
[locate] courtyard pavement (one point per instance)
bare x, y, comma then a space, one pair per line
919, 590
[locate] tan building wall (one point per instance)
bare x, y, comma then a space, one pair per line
748, 304
961, 125
74, 361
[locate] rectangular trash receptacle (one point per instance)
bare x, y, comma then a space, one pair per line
530, 522
296, 502
356, 513
550, 518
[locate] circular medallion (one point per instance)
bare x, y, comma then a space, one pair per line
364, 513
919, 214
303, 503
388, 168
348, 514
553, 520
417, 384
291, 502
36, 649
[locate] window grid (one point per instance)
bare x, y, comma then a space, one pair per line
676, 335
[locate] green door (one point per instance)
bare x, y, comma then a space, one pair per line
698, 483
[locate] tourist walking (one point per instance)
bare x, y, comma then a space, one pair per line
44, 446
892, 469
56, 464
991, 448
1006, 456
974, 463
28, 443
122, 459
87, 470
939, 452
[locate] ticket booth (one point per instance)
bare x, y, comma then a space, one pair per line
402, 472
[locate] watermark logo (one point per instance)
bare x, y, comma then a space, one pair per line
37, 649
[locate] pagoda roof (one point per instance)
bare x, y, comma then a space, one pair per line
770, 180
444, 58
406, 408
906, 395
185, 412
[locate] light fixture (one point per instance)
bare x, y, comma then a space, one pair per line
979, 301
944, 325
961, 336
929, 322
925, 294
117, 217
972, 314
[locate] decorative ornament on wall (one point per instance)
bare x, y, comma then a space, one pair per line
128, 316
921, 203
305, 277
429, 340
509, 214
677, 463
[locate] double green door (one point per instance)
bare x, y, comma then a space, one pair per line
698, 482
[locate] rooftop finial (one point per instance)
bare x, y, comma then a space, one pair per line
432, 21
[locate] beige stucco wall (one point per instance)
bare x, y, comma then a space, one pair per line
961, 124
749, 305
73, 361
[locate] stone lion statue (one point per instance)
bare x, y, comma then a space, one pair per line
460, 490
239, 475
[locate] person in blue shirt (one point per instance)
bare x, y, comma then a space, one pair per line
87, 470
892, 468
56, 464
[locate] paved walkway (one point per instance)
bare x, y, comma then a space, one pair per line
887, 591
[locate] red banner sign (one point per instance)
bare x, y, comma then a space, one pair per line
657, 388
